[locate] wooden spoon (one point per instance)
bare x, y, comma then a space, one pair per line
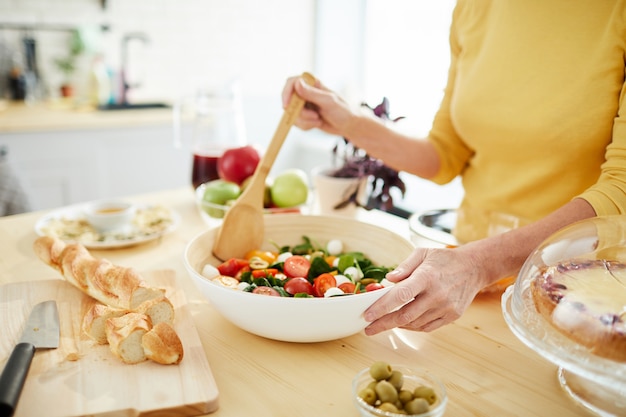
243, 227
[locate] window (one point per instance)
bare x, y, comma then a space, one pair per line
399, 49
406, 56
369, 49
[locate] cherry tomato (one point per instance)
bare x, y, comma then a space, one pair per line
267, 256
264, 273
232, 266
347, 287
322, 283
241, 271
296, 266
298, 285
373, 286
263, 290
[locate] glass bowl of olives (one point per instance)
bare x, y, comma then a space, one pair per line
385, 390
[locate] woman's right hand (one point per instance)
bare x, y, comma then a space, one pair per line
324, 109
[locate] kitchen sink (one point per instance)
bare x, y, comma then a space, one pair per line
133, 106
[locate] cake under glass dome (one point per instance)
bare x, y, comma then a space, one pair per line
595, 382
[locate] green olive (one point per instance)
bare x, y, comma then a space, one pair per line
386, 392
316, 254
396, 379
427, 393
380, 370
257, 263
368, 395
405, 396
388, 407
416, 406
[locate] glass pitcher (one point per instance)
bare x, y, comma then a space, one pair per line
217, 124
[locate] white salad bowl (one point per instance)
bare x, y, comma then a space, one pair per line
299, 319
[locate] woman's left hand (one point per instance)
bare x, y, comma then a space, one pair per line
433, 288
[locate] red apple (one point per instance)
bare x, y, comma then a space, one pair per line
237, 164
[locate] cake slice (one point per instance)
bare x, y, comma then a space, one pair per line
586, 301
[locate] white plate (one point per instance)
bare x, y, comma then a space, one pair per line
69, 224
436, 225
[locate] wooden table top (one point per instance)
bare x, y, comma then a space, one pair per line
487, 371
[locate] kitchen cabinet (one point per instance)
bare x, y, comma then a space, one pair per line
63, 167
67, 155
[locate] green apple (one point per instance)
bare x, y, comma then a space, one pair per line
219, 192
267, 195
290, 188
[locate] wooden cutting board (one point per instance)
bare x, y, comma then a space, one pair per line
81, 378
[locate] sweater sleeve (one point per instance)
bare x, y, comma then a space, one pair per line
453, 152
608, 195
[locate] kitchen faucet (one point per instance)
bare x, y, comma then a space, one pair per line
124, 69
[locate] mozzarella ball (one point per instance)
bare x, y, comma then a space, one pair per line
354, 273
242, 286
332, 291
341, 279
209, 271
284, 256
334, 247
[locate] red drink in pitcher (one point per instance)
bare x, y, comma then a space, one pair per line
204, 169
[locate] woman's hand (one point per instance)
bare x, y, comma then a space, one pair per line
324, 109
433, 288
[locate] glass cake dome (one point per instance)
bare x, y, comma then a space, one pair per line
595, 382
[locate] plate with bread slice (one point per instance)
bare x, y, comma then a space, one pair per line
70, 224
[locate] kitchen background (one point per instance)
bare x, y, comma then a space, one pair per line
170, 49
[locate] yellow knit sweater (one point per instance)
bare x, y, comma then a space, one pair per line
534, 112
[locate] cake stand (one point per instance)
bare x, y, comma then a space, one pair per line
595, 383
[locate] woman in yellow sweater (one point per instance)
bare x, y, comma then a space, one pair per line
534, 121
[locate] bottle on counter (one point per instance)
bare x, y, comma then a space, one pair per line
100, 83
218, 125
17, 83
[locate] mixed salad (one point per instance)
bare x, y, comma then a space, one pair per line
305, 270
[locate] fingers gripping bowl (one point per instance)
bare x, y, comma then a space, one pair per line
299, 319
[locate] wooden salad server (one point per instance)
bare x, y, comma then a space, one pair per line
243, 227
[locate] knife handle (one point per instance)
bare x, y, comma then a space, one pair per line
13, 377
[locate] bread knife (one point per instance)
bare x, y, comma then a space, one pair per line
41, 332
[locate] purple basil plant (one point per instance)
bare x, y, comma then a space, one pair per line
356, 163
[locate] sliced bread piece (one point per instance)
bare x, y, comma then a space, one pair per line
162, 345
124, 335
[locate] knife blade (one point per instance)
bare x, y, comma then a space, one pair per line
40, 332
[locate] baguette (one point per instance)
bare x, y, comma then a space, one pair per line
160, 310
113, 285
134, 319
124, 335
94, 322
162, 345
